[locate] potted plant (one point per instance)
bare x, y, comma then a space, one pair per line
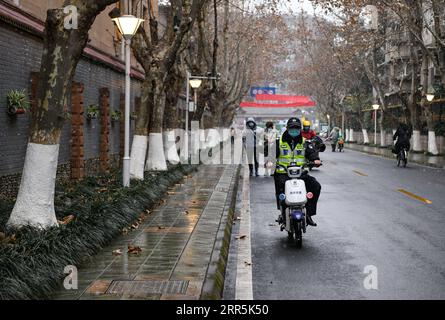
18, 102
115, 115
92, 112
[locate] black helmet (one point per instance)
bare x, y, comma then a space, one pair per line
293, 123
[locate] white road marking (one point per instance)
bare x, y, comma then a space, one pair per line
244, 290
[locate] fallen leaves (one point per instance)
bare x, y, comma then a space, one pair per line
135, 226
161, 227
241, 237
7, 240
247, 263
186, 212
117, 252
67, 220
134, 249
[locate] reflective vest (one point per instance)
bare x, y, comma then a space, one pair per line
287, 155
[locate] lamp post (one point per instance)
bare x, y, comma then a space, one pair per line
329, 123
128, 25
375, 107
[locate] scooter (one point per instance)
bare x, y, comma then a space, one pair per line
293, 205
341, 144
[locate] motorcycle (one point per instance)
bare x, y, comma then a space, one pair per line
293, 205
341, 145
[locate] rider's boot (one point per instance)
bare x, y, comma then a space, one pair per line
310, 221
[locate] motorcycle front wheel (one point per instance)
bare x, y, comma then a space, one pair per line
298, 234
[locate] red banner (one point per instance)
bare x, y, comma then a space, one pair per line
277, 105
282, 98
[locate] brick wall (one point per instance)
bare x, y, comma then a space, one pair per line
20, 55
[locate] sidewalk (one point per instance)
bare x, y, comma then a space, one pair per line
181, 246
419, 158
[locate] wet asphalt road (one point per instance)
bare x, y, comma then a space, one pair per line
362, 220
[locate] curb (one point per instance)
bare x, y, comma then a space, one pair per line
213, 286
431, 165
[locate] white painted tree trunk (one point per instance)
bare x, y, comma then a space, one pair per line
138, 154
351, 135
383, 138
432, 143
35, 201
347, 135
202, 139
417, 146
171, 152
156, 157
185, 147
365, 136
213, 138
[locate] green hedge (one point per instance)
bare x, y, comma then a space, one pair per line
32, 266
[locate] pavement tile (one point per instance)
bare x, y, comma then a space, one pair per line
98, 287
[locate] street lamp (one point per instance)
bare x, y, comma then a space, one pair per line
195, 84
375, 107
128, 26
430, 95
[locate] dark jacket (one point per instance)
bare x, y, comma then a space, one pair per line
403, 133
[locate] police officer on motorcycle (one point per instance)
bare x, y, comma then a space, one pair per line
292, 148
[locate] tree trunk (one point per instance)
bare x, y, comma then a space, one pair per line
365, 136
156, 158
140, 138
351, 135
427, 108
171, 124
62, 51
382, 129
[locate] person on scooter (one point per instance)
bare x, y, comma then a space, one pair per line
291, 147
307, 133
403, 136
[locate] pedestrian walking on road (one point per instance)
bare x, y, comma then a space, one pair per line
270, 138
252, 137
333, 137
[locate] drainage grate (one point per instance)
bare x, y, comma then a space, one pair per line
143, 287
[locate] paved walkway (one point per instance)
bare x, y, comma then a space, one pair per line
177, 241
419, 158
